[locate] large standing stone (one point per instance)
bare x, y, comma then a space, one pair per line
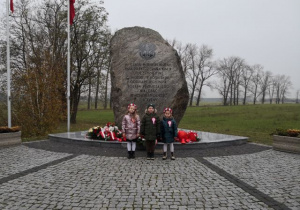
146, 69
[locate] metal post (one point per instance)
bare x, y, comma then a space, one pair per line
8, 66
68, 71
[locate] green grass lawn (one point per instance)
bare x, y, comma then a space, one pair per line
254, 121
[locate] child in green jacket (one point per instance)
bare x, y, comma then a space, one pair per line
150, 129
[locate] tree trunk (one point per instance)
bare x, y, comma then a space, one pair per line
97, 89
231, 89
74, 103
106, 86
245, 96
263, 98
254, 96
199, 94
234, 94
192, 96
237, 94
89, 95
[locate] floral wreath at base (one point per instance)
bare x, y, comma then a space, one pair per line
187, 137
109, 132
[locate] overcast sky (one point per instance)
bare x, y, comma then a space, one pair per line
265, 32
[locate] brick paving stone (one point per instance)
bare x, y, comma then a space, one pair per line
272, 172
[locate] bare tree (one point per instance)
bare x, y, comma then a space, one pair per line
193, 72
106, 86
265, 82
247, 74
255, 82
183, 53
271, 88
206, 69
89, 33
282, 85
277, 84
229, 72
297, 96
285, 86
237, 80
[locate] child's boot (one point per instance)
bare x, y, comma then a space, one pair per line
165, 156
132, 154
152, 155
129, 154
172, 156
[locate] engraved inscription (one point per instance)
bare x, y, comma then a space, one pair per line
147, 81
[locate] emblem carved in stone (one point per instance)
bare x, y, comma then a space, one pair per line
147, 50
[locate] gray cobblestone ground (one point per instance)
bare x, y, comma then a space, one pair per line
274, 173
112, 182
20, 158
100, 182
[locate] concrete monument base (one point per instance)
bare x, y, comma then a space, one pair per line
207, 140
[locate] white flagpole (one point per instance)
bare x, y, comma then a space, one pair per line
8, 66
68, 72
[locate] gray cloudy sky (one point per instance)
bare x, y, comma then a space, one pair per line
265, 32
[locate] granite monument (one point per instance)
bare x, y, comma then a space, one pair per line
146, 69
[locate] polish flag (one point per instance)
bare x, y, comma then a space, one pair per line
11, 5
72, 11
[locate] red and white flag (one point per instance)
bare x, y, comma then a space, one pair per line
11, 5
72, 11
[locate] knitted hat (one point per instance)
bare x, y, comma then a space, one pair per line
152, 105
168, 109
132, 104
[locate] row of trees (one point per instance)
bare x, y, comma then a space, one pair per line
39, 60
235, 80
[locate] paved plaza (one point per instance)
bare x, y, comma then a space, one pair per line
53, 175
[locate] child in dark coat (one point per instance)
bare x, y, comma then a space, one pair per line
150, 129
168, 132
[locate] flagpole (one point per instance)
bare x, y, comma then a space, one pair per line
8, 66
68, 71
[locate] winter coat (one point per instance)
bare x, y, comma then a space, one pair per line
130, 128
150, 127
168, 128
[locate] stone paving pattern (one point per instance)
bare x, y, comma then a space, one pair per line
17, 159
95, 181
274, 173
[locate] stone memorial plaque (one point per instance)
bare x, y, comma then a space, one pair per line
146, 69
